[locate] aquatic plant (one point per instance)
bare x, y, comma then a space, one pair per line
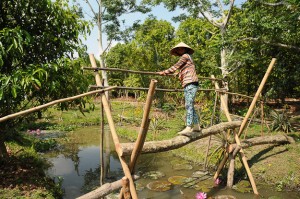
201, 195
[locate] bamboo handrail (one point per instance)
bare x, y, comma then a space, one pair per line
114, 133
2, 119
175, 90
142, 72
157, 89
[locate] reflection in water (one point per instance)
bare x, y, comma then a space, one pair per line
79, 166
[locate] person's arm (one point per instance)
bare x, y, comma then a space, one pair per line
182, 61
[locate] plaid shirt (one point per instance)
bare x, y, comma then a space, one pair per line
187, 71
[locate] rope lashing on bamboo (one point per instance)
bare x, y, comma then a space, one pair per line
141, 72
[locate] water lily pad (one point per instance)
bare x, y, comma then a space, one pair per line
184, 166
159, 186
190, 182
204, 186
177, 180
224, 197
154, 175
199, 174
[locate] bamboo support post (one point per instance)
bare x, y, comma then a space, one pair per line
261, 86
114, 133
144, 127
125, 193
102, 146
31, 110
243, 157
262, 118
211, 123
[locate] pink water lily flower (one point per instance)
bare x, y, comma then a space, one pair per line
217, 181
201, 195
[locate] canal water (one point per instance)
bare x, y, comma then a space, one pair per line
78, 166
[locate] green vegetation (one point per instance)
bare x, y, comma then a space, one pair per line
40, 38
24, 170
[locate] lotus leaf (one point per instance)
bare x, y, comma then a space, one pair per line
177, 180
184, 166
159, 186
153, 175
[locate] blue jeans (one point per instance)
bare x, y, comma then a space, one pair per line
189, 95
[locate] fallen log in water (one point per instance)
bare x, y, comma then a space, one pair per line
105, 189
180, 140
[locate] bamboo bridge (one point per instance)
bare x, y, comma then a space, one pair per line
133, 150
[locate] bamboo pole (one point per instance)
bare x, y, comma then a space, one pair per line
102, 145
125, 193
261, 86
141, 72
114, 133
146, 89
144, 127
243, 157
2, 119
211, 123
176, 90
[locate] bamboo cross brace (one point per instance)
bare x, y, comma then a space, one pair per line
113, 132
243, 157
261, 86
14, 115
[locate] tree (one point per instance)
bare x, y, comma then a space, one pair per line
38, 39
107, 17
259, 31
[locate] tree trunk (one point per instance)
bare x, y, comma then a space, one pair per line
180, 140
101, 51
3, 151
224, 66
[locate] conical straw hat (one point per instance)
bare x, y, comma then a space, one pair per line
173, 51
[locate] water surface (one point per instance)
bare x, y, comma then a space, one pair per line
79, 166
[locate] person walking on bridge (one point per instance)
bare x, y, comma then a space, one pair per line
189, 81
